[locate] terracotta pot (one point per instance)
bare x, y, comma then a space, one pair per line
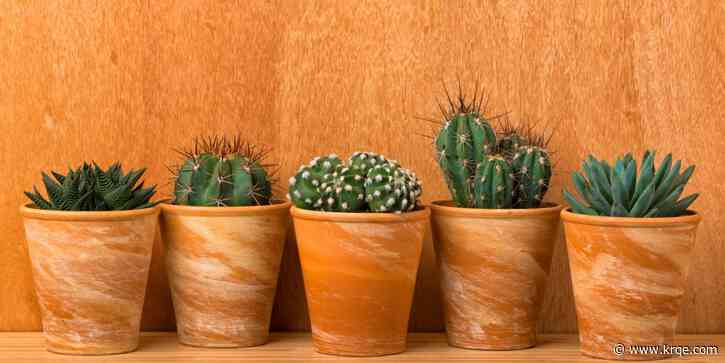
90, 271
494, 265
359, 271
223, 264
629, 276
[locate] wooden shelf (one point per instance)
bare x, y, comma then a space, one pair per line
422, 347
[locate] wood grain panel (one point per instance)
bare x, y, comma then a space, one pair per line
130, 80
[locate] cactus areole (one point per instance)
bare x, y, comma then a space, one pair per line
368, 183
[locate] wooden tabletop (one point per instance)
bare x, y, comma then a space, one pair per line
283, 347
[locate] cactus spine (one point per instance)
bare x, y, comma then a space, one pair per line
222, 172
368, 183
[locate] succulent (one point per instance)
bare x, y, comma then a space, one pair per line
89, 188
222, 172
462, 143
533, 174
369, 182
619, 191
471, 156
388, 187
493, 184
305, 187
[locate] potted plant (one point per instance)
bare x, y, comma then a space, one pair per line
629, 240
359, 232
90, 246
494, 240
224, 235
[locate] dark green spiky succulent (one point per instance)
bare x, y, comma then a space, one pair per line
619, 191
221, 172
369, 183
89, 188
483, 170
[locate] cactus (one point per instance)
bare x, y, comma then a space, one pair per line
343, 190
305, 187
618, 191
462, 143
533, 172
222, 172
493, 184
471, 155
363, 161
369, 180
89, 188
391, 188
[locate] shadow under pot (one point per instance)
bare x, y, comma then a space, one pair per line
494, 266
90, 271
223, 265
629, 276
359, 271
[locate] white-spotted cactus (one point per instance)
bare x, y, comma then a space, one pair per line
369, 182
305, 188
390, 188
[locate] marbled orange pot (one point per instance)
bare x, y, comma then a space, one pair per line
90, 271
494, 265
629, 276
222, 265
359, 271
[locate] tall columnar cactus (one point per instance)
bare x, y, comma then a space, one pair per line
90, 188
533, 173
619, 192
222, 172
462, 143
368, 183
494, 183
470, 153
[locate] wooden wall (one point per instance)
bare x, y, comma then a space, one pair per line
130, 80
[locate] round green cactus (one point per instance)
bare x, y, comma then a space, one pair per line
305, 187
367, 183
222, 172
343, 190
390, 188
362, 161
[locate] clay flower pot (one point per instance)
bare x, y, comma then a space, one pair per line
359, 271
90, 271
494, 265
629, 276
222, 265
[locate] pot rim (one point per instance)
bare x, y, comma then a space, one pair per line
369, 217
446, 207
571, 217
27, 211
189, 210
